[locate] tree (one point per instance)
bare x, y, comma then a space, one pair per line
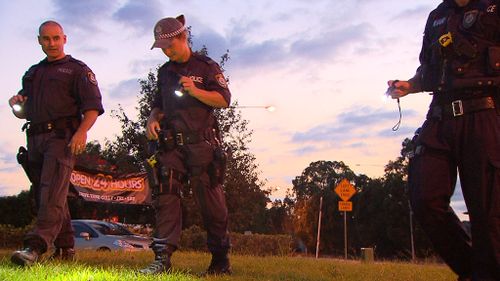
382, 212
316, 181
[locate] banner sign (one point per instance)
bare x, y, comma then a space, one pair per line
100, 187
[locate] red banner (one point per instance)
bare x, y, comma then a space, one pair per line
100, 187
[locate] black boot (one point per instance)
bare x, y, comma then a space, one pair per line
219, 265
25, 257
66, 254
161, 264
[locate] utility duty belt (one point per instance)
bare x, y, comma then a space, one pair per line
460, 107
52, 125
171, 138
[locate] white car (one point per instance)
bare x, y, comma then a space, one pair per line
107, 236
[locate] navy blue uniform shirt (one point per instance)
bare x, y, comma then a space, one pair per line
57, 89
461, 46
186, 112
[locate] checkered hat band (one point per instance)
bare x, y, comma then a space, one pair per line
171, 34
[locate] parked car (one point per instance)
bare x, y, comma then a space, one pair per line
107, 236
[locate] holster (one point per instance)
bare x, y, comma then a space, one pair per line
22, 159
151, 166
151, 170
217, 168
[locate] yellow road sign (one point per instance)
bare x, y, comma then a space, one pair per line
345, 190
345, 206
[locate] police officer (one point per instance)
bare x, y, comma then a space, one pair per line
61, 101
190, 86
460, 65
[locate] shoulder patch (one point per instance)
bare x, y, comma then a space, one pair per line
91, 77
221, 80
470, 18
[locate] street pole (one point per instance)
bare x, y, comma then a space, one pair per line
319, 226
345, 235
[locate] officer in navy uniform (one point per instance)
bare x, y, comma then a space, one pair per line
190, 86
61, 101
460, 65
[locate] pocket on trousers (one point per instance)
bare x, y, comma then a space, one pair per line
494, 60
66, 162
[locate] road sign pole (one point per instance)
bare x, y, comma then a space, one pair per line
345, 235
345, 190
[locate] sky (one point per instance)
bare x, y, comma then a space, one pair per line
322, 64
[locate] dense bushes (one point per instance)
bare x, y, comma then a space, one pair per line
194, 238
12, 237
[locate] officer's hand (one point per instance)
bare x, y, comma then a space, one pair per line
152, 129
398, 89
17, 99
188, 85
78, 142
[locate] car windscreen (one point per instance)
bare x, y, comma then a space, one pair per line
107, 228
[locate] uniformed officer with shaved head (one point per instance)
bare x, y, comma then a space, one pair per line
61, 101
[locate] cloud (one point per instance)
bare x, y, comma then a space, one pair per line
260, 55
83, 16
278, 51
94, 50
215, 43
304, 150
140, 67
140, 15
410, 15
125, 89
327, 44
358, 125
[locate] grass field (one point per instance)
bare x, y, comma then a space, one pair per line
94, 266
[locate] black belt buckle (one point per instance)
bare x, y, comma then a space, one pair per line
179, 139
457, 108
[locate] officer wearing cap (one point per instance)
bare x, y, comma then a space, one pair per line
61, 101
460, 65
190, 86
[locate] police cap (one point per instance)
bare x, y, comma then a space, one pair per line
166, 29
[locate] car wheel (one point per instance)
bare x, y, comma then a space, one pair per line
104, 249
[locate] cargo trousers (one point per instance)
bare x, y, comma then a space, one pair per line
178, 170
51, 163
469, 144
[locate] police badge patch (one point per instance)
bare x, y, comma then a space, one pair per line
221, 80
91, 78
470, 18
158, 29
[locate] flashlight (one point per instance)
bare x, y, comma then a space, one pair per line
18, 106
178, 92
390, 89
176, 77
387, 95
